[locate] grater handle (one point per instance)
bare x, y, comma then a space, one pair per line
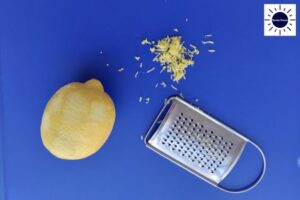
257, 181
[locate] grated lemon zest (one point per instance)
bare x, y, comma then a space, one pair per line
145, 41
173, 56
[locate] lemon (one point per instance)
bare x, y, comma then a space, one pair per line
77, 120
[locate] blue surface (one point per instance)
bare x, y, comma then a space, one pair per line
251, 83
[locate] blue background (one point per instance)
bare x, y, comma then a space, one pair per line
252, 83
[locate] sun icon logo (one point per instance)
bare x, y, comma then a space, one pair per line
280, 19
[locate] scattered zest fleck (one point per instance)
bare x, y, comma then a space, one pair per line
186, 19
136, 74
211, 50
145, 41
298, 162
101, 52
152, 49
195, 50
147, 100
140, 99
163, 84
142, 137
141, 65
208, 35
208, 42
162, 69
107, 65
196, 100
137, 58
175, 30
181, 95
150, 70
121, 69
156, 85
173, 87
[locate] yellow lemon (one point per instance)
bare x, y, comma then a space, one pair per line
77, 120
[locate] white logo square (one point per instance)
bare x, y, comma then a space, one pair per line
280, 19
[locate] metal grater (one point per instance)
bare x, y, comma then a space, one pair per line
198, 143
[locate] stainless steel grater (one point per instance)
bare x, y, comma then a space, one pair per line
198, 143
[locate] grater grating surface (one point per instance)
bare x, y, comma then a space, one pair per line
197, 142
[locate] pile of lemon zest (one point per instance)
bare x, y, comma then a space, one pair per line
173, 56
